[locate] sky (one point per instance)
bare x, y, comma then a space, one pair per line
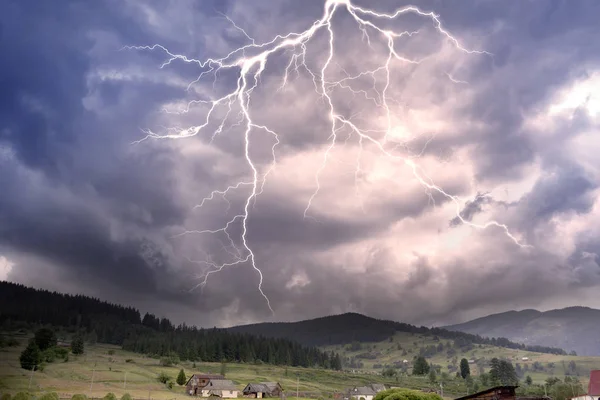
428, 166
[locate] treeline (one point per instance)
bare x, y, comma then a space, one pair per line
114, 324
353, 327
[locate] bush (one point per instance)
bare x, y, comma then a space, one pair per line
129, 360
405, 394
22, 396
111, 352
6, 396
61, 352
163, 377
170, 385
31, 356
79, 397
126, 396
49, 396
110, 396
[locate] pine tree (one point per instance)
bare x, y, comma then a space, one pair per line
31, 356
77, 346
181, 378
465, 370
432, 376
45, 338
420, 367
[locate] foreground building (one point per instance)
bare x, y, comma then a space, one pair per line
593, 392
263, 389
197, 382
495, 393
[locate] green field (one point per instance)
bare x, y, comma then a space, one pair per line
109, 373
404, 346
97, 372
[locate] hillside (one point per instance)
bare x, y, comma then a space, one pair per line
353, 327
107, 368
27, 308
574, 328
446, 355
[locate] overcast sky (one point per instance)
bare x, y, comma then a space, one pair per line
494, 113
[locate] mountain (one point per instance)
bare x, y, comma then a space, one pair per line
573, 328
26, 309
353, 327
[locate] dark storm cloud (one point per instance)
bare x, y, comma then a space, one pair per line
79, 197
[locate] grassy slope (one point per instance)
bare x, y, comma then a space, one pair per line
74, 376
389, 353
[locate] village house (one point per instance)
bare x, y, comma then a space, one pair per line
194, 385
365, 392
263, 389
222, 388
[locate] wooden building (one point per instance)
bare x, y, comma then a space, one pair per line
197, 382
263, 389
495, 393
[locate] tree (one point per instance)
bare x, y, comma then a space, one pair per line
31, 356
432, 376
420, 367
45, 338
528, 380
465, 370
77, 346
389, 372
181, 378
502, 372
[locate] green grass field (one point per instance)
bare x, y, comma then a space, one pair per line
404, 346
126, 372
97, 372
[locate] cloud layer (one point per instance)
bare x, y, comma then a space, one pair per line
510, 134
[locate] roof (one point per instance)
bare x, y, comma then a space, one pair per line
486, 391
594, 385
256, 388
220, 384
205, 376
378, 387
271, 385
362, 391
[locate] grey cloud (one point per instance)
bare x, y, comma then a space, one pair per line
83, 200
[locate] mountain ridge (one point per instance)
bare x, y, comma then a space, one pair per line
572, 328
354, 327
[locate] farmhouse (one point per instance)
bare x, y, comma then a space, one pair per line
365, 392
263, 389
220, 388
194, 385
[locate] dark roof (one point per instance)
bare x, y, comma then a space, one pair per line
272, 385
205, 376
256, 388
486, 391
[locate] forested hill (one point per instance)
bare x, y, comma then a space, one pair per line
353, 327
24, 307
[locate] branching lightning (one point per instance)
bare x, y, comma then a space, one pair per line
249, 69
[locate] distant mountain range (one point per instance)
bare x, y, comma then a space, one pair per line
573, 328
353, 327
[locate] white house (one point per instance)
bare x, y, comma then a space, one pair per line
221, 388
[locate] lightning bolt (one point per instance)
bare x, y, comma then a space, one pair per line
249, 68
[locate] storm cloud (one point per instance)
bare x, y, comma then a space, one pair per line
87, 206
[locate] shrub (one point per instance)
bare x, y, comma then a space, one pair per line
31, 356
129, 360
405, 394
126, 396
111, 352
22, 396
170, 385
79, 397
163, 377
6, 396
49, 396
110, 396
